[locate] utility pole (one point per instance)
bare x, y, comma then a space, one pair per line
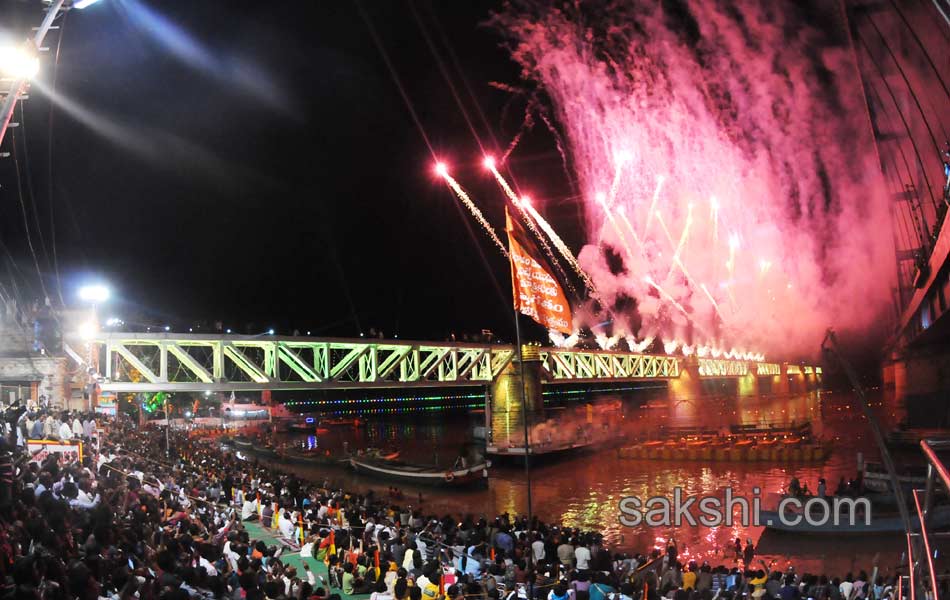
21, 83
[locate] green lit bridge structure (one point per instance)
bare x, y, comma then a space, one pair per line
147, 362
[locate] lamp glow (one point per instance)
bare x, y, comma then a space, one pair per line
94, 293
489, 162
88, 330
441, 169
81, 4
18, 63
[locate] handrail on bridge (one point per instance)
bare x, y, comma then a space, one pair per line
935, 468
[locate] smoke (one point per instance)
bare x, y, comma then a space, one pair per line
726, 163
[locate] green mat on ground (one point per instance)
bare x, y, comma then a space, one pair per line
257, 532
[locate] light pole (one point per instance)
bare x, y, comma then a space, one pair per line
94, 295
27, 62
168, 426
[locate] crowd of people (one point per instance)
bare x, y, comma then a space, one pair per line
130, 518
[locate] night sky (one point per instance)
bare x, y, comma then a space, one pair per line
254, 163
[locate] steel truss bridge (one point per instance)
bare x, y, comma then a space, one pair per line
137, 362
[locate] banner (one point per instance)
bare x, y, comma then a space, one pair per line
43, 448
535, 291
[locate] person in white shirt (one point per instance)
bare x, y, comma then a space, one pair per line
48, 427
65, 432
422, 548
537, 549
209, 568
231, 556
77, 428
248, 510
286, 525
322, 512
582, 554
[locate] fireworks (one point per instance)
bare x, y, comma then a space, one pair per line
649, 281
748, 180
558, 242
442, 170
613, 223
489, 163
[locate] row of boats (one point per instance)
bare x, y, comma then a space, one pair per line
743, 450
377, 462
738, 443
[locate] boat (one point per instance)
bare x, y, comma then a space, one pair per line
770, 429
379, 453
910, 438
342, 422
301, 427
938, 519
428, 475
746, 431
745, 450
876, 479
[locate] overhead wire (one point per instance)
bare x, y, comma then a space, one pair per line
49, 160
917, 216
28, 176
26, 222
907, 127
910, 87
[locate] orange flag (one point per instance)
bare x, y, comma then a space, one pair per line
536, 291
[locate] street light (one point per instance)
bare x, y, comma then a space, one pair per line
17, 63
94, 293
81, 4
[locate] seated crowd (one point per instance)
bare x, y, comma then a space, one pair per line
130, 519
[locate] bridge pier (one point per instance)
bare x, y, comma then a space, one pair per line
923, 382
749, 384
688, 386
504, 413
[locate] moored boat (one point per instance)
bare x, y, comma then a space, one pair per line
342, 422
794, 523
740, 451
875, 477
429, 475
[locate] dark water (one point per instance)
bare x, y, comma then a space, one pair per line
584, 490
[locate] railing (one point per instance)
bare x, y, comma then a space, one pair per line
150, 362
923, 503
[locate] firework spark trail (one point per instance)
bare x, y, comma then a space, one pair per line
629, 226
666, 231
612, 194
617, 230
622, 159
656, 197
527, 218
711, 300
475, 212
714, 217
679, 247
649, 281
559, 244
733, 246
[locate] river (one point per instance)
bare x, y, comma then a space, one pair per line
584, 490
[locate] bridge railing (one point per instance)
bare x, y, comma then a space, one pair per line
580, 365
148, 362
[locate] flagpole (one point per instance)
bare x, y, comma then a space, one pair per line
524, 414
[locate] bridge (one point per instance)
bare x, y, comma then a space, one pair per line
153, 362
